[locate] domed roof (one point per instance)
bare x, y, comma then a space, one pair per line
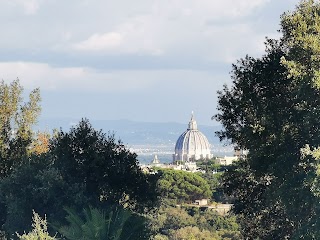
192, 144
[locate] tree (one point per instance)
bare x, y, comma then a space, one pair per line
82, 168
108, 171
172, 219
40, 144
37, 186
16, 121
40, 230
182, 186
273, 110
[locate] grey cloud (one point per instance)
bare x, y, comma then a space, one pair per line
197, 39
177, 31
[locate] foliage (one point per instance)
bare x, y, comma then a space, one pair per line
182, 186
107, 169
211, 220
176, 218
214, 181
37, 186
273, 110
192, 233
171, 220
39, 232
111, 224
3, 235
16, 120
40, 144
213, 174
209, 166
160, 237
83, 167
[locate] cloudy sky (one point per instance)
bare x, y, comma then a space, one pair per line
144, 60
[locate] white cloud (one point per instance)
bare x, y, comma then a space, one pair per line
97, 42
46, 36
34, 75
29, 7
194, 29
160, 29
47, 77
136, 35
79, 79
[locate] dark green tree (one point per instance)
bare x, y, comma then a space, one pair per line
83, 167
108, 171
37, 186
273, 110
182, 186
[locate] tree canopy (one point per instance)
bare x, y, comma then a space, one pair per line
273, 109
108, 170
82, 167
16, 121
182, 186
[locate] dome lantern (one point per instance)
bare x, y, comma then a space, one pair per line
192, 124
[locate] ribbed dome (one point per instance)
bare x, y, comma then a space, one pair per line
192, 144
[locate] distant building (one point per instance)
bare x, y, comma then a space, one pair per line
201, 202
226, 160
186, 166
156, 162
238, 154
192, 145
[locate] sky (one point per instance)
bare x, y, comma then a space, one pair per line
142, 60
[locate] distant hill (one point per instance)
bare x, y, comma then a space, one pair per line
135, 133
145, 138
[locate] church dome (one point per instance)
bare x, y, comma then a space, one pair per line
192, 144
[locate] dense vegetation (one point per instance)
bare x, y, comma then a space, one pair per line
272, 110
182, 186
78, 169
190, 222
83, 184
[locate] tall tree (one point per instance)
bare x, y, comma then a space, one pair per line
16, 121
108, 170
273, 110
